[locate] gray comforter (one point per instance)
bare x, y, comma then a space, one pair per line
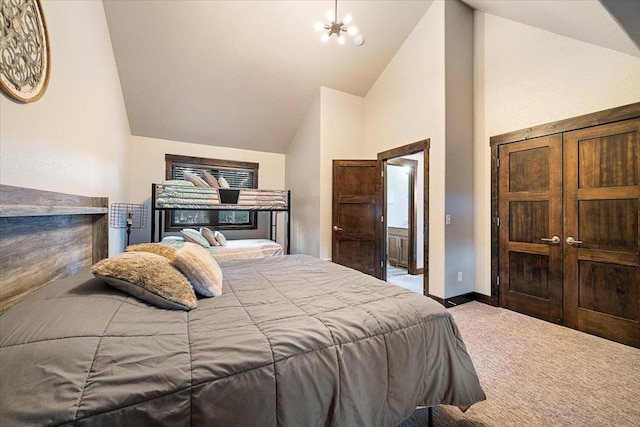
293, 341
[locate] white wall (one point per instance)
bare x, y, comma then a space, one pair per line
459, 257
147, 163
397, 197
406, 105
524, 77
75, 139
303, 179
341, 138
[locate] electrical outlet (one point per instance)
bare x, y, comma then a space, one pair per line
447, 219
459, 276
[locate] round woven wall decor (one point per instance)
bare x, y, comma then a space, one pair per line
24, 50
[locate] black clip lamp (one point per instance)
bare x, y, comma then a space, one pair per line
128, 215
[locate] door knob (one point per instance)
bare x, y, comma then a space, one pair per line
571, 241
555, 239
336, 228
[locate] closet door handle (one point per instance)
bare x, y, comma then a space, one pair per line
555, 239
336, 228
571, 241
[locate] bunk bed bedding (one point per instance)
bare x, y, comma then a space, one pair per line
237, 249
292, 341
185, 197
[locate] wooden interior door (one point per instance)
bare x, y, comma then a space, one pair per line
356, 240
601, 207
530, 231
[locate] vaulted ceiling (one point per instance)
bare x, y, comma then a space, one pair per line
243, 73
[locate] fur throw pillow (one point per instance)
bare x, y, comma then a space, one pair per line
154, 248
201, 269
149, 277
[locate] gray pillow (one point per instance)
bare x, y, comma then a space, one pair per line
211, 180
210, 235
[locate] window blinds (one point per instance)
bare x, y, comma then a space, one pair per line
236, 178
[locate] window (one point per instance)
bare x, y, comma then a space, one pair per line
237, 174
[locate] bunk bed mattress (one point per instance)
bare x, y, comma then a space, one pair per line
238, 249
184, 197
292, 341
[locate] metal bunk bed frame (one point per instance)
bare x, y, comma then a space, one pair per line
157, 217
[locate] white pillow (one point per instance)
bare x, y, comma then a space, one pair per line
223, 182
220, 238
194, 236
197, 181
172, 239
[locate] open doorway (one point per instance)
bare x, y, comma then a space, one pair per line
405, 215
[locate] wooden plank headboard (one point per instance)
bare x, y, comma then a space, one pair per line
45, 236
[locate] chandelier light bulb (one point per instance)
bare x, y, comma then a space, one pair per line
340, 39
347, 19
330, 15
352, 31
318, 26
324, 37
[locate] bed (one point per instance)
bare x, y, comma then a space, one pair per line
293, 340
236, 249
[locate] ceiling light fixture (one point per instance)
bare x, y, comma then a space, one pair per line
337, 27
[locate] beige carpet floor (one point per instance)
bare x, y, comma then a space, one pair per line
535, 373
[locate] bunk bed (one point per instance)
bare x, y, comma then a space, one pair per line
171, 197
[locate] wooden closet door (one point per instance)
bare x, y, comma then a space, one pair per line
601, 202
530, 214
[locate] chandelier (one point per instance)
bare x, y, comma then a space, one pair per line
338, 27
